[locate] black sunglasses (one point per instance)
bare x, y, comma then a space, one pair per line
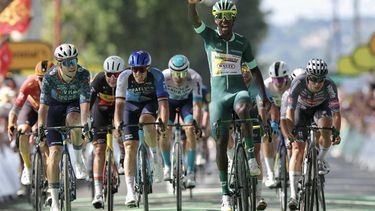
315, 79
139, 69
108, 74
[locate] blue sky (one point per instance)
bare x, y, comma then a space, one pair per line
286, 11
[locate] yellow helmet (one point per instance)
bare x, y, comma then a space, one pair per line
42, 67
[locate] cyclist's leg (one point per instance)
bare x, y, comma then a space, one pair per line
148, 116
269, 149
323, 117
165, 142
261, 204
241, 105
56, 117
27, 118
218, 110
73, 118
191, 143
130, 139
100, 119
302, 118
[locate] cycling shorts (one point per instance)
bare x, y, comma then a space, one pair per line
132, 113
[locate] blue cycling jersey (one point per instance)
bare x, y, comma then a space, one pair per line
154, 86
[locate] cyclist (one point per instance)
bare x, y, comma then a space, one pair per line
102, 105
184, 86
226, 51
284, 123
312, 97
140, 92
64, 100
276, 84
255, 112
203, 157
24, 113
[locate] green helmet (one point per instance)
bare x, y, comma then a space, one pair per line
224, 6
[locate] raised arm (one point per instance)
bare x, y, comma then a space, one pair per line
193, 14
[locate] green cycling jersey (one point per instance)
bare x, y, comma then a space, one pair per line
225, 59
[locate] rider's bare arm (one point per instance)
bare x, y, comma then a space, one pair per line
193, 13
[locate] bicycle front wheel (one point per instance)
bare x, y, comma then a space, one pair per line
242, 180
109, 182
178, 175
283, 190
38, 178
320, 193
66, 194
144, 178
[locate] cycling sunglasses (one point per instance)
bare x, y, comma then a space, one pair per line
225, 15
179, 74
108, 74
139, 69
69, 62
281, 80
315, 79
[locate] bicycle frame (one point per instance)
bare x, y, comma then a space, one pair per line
110, 174
312, 192
144, 176
67, 190
178, 170
38, 184
242, 184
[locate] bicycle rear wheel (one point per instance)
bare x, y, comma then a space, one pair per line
109, 182
144, 178
38, 178
242, 180
66, 184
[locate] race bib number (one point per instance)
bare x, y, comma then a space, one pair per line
225, 64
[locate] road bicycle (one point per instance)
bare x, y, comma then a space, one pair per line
179, 169
110, 174
144, 173
37, 191
241, 184
67, 190
311, 193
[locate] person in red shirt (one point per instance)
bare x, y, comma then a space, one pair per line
24, 115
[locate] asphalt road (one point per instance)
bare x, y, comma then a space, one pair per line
348, 188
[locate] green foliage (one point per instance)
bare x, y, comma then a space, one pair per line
102, 28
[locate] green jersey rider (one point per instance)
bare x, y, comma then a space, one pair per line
226, 51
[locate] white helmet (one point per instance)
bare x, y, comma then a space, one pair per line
114, 64
224, 6
278, 69
317, 68
296, 72
65, 51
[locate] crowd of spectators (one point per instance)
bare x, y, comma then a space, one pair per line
358, 103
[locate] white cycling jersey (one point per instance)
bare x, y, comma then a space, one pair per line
275, 94
191, 85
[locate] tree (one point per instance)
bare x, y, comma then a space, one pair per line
162, 27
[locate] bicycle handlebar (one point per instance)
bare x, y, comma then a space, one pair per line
308, 128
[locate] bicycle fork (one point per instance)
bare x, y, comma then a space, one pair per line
177, 145
71, 174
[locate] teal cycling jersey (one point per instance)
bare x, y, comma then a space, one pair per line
225, 59
55, 90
